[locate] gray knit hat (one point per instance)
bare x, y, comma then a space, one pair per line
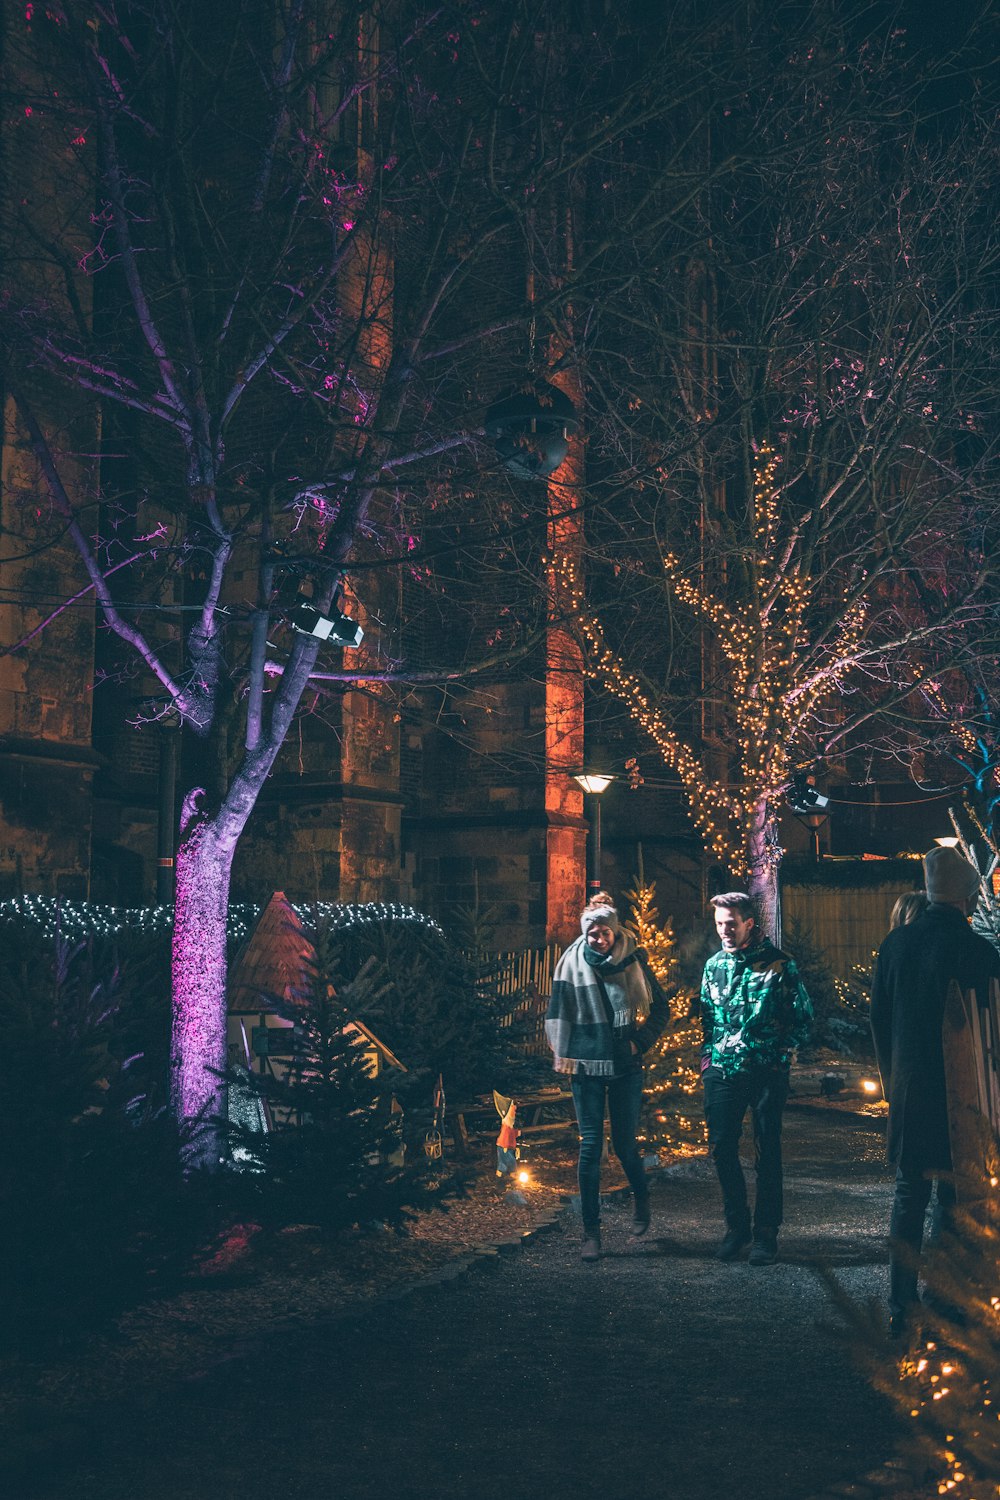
950, 879
606, 915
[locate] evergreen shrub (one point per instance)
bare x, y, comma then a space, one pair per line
840, 1006
96, 1213
433, 1000
333, 1153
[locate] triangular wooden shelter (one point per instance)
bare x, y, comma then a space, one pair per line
277, 959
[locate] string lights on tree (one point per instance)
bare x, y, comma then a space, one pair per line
779, 669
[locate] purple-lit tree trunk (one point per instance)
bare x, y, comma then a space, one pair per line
198, 1034
321, 266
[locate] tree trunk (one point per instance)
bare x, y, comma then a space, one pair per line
198, 1038
764, 859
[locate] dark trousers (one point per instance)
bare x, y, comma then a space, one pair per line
727, 1099
906, 1230
623, 1098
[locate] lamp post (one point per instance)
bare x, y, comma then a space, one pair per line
814, 822
594, 784
811, 809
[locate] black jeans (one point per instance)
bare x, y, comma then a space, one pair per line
727, 1099
906, 1230
623, 1097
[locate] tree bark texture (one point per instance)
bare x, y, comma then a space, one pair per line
198, 1035
763, 859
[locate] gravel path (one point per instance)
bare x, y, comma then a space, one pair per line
655, 1374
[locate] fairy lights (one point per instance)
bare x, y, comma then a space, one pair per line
780, 665
672, 1075
947, 1388
77, 920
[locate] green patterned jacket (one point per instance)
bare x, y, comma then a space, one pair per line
754, 1009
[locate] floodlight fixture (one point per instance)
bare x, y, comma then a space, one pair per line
805, 798
334, 627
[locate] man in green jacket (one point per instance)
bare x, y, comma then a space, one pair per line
755, 1013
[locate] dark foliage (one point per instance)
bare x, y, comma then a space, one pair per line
96, 1213
332, 1153
437, 1006
840, 1007
694, 949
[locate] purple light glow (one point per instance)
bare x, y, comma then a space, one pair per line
198, 1040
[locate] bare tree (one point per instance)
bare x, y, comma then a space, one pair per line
309, 241
792, 405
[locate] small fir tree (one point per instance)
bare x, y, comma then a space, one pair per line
673, 1115
840, 1006
438, 1007
946, 1386
332, 1156
97, 1214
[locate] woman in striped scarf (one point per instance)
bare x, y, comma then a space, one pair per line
607, 1009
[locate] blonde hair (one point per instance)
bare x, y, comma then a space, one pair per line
908, 907
602, 898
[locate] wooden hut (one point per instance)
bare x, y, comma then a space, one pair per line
277, 960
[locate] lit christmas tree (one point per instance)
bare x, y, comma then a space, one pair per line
946, 1386
672, 1113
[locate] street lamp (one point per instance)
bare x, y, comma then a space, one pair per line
594, 784
814, 822
810, 809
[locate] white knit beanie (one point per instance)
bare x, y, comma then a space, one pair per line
950, 879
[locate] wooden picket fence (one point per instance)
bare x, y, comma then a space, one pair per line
527, 975
972, 1073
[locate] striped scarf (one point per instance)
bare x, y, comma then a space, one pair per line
580, 1025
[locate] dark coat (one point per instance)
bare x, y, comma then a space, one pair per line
915, 965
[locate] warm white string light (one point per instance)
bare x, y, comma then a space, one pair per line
775, 680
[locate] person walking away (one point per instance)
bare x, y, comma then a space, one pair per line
607, 1009
913, 970
909, 906
755, 1012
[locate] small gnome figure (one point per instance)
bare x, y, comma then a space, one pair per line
507, 1148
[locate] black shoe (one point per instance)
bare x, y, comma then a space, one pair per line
764, 1250
733, 1245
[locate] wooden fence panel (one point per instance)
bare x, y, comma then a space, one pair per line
848, 924
528, 975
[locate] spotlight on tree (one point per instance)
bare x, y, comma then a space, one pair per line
531, 429
334, 627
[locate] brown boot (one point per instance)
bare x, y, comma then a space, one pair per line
591, 1248
640, 1214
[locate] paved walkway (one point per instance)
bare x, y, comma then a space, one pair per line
649, 1376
